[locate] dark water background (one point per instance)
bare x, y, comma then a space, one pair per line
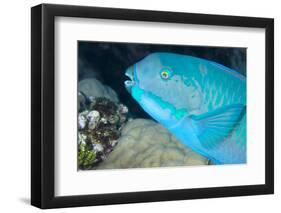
107, 61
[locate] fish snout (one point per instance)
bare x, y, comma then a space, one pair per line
129, 85
130, 74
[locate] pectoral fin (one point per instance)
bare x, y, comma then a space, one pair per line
213, 127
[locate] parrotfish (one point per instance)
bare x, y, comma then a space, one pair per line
202, 103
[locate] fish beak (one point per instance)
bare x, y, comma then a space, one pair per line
130, 83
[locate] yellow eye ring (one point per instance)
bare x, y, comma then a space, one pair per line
165, 74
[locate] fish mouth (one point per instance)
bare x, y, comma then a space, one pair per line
130, 83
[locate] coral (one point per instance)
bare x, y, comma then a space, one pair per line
107, 140
99, 128
92, 87
93, 118
144, 143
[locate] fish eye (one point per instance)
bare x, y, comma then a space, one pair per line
165, 73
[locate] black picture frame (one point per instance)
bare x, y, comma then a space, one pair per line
43, 117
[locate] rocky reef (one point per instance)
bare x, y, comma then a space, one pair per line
93, 88
109, 137
99, 127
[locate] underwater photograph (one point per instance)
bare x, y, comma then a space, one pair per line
159, 105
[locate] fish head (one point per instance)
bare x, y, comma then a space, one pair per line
166, 77
152, 75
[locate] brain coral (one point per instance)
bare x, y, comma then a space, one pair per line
144, 143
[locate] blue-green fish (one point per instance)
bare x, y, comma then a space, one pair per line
202, 103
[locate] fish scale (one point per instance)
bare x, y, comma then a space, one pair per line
215, 100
